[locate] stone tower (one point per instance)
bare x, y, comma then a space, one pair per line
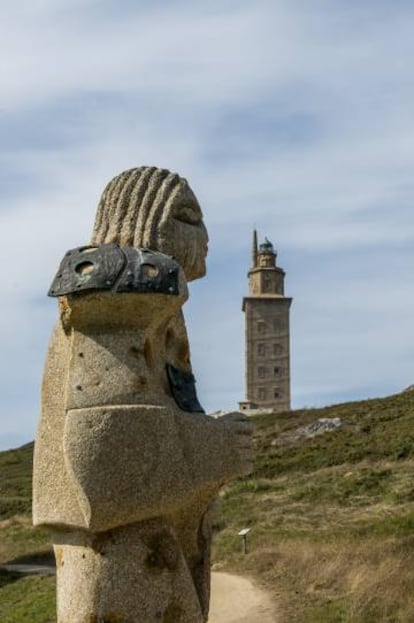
267, 333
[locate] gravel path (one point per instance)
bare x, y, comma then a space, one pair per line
235, 599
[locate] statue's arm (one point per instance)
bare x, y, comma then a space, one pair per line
216, 450
126, 463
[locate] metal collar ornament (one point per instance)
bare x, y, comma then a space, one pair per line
115, 268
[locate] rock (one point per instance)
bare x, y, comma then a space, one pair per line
319, 427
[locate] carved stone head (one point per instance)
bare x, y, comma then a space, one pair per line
154, 208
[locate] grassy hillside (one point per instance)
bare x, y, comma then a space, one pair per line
16, 481
331, 517
18, 539
22, 599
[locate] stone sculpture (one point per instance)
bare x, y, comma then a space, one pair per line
126, 462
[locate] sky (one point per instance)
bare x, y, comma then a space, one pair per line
295, 116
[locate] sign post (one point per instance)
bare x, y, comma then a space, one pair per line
243, 533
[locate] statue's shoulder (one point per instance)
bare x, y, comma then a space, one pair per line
117, 269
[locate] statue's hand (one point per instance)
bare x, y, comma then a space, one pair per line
240, 431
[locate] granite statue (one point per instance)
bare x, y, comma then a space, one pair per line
127, 464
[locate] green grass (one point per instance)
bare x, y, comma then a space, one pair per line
345, 490
331, 611
20, 542
28, 599
16, 481
372, 430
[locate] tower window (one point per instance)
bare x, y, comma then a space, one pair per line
261, 327
277, 349
276, 392
262, 393
261, 350
261, 371
267, 284
276, 371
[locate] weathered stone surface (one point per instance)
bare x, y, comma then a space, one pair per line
133, 573
123, 476
154, 208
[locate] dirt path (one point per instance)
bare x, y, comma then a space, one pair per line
236, 600
30, 569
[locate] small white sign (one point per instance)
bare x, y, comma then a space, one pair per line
244, 532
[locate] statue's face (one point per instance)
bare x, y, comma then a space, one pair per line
183, 234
